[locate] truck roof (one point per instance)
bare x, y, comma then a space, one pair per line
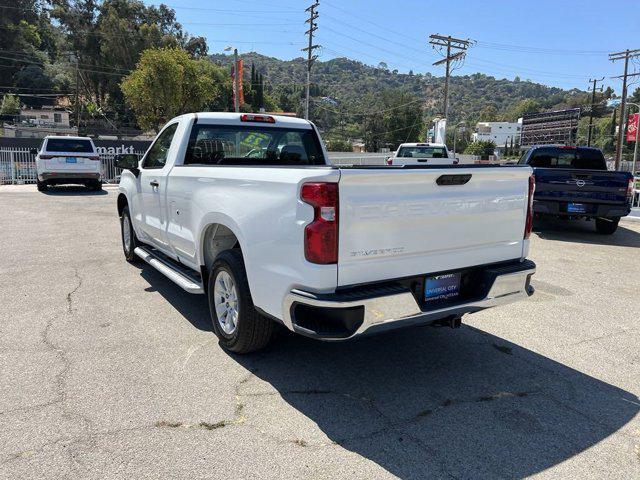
568, 147
234, 118
65, 137
422, 144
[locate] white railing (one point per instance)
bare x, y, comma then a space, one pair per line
18, 166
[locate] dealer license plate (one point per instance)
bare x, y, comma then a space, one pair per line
442, 287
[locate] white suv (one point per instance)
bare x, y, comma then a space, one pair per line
422, 154
63, 160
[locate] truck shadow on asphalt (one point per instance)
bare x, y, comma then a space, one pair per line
424, 402
193, 307
73, 191
584, 232
432, 403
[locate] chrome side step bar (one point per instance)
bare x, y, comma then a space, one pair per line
172, 273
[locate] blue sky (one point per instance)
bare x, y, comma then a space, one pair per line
561, 43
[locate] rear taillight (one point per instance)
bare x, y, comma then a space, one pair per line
321, 235
528, 226
630, 188
94, 157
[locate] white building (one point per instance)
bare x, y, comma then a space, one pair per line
40, 122
47, 116
498, 132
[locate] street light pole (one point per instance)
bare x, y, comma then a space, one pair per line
455, 131
455, 135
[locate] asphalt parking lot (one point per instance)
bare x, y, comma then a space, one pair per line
108, 370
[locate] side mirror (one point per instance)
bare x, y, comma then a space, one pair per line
33, 151
127, 161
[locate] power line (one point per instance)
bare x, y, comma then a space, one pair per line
384, 28
38, 61
540, 50
370, 113
313, 26
381, 37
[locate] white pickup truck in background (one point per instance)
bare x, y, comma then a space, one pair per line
246, 209
422, 154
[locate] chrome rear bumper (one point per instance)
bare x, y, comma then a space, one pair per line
393, 308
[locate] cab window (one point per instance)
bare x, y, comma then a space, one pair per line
156, 157
252, 145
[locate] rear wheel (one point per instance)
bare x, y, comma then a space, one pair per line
129, 239
41, 186
607, 226
240, 328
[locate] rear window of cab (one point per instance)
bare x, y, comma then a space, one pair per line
422, 152
69, 145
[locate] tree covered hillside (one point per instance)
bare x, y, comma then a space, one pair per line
347, 82
353, 100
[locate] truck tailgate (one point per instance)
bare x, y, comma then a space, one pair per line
585, 186
398, 223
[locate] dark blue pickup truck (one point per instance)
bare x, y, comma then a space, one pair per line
573, 182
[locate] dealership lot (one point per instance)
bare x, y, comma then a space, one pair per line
110, 371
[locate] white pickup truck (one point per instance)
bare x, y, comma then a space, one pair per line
422, 154
247, 209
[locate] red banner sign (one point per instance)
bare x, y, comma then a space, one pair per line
632, 127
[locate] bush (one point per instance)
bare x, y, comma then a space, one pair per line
338, 145
481, 148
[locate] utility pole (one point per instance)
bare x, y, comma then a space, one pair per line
313, 26
593, 102
626, 55
459, 47
77, 101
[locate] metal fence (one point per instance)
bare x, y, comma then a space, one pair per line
18, 166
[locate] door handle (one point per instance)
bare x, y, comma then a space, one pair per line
154, 183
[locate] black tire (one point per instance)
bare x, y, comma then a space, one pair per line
253, 331
41, 186
607, 226
95, 185
128, 252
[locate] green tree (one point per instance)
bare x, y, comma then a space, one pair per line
167, 83
522, 108
481, 148
108, 37
489, 114
10, 105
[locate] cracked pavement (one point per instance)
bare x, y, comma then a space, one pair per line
110, 371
